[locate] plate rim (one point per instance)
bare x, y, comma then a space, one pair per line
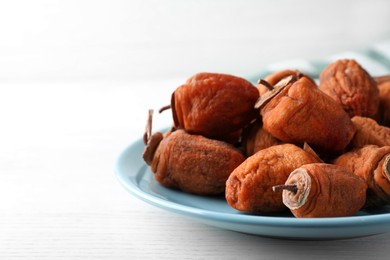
350, 221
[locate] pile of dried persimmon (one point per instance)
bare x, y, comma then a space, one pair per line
320, 151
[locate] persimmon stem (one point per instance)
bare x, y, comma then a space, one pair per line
148, 128
269, 95
265, 83
290, 187
164, 108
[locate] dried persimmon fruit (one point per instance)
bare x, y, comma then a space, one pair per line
214, 105
255, 138
191, 163
384, 102
382, 79
194, 163
372, 163
323, 190
249, 186
296, 111
368, 131
350, 85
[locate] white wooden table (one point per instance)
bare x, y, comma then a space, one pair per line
60, 198
76, 80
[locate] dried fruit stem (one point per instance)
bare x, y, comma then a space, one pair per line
266, 84
148, 129
264, 99
164, 108
291, 187
151, 147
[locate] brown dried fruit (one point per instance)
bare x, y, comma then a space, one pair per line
352, 87
191, 163
249, 187
296, 111
256, 138
382, 79
323, 190
214, 105
368, 131
384, 103
372, 163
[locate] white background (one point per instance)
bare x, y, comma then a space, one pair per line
76, 80
83, 39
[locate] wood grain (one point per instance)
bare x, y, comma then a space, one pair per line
59, 198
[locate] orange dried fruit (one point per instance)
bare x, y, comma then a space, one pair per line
352, 87
323, 190
368, 131
384, 100
191, 163
249, 187
255, 138
214, 105
296, 111
372, 163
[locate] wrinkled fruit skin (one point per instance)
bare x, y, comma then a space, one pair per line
256, 139
194, 164
384, 103
249, 187
367, 162
352, 87
368, 131
334, 192
214, 105
302, 113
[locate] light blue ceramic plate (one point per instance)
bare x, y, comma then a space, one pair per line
137, 178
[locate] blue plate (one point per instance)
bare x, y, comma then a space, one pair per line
137, 179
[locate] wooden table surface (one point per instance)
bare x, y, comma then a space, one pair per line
76, 81
60, 198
